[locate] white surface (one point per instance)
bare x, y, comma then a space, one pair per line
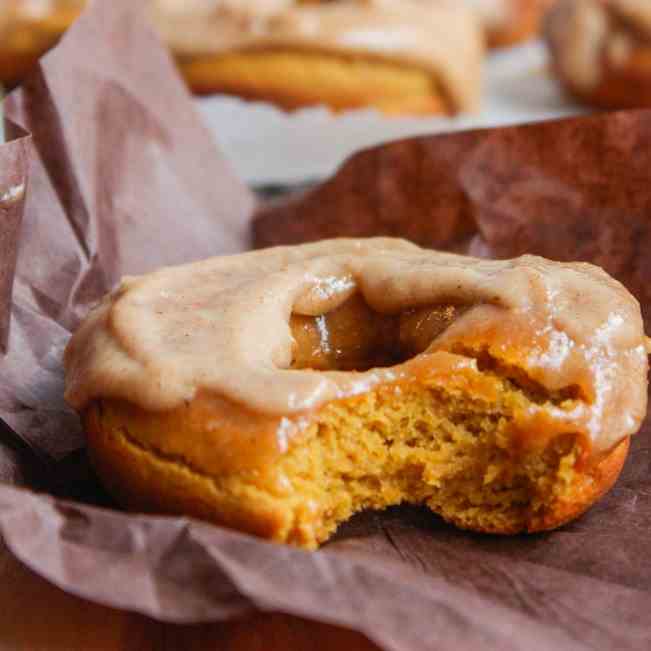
268, 146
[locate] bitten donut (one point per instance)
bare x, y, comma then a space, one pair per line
399, 57
601, 51
280, 391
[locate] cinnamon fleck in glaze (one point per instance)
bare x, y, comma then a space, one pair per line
224, 327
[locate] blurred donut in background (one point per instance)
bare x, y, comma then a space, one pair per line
28, 28
601, 51
404, 57
399, 56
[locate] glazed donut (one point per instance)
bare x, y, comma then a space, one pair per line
601, 51
399, 57
280, 391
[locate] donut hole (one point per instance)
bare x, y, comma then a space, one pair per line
355, 337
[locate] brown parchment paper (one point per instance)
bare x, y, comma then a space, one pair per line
576, 189
13, 185
125, 178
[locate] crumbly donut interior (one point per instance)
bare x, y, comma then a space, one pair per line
440, 445
416, 443
424, 445
406, 444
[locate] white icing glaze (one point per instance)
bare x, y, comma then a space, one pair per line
222, 326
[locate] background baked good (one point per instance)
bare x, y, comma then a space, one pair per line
27, 29
401, 58
601, 50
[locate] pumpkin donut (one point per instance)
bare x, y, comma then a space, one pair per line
398, 57
280, 391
